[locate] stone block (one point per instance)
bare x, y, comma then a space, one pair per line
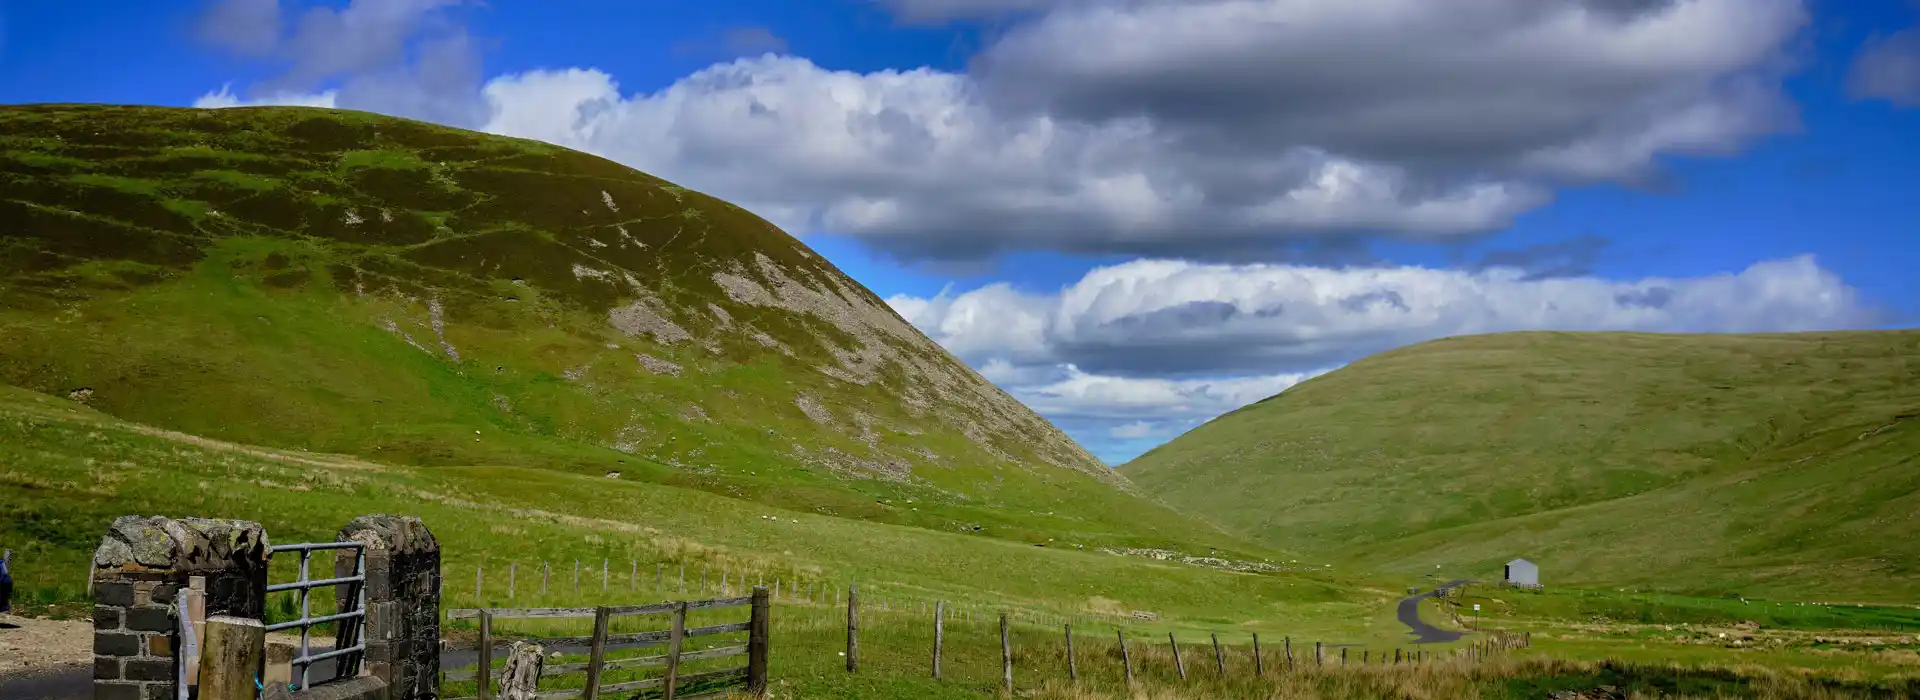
116, 644
163, 594
144, 669
115, 593
117, 691
106, 617
160, 645
106, 668
150, 619
161, 691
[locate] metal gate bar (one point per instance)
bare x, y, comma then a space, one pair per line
305, 585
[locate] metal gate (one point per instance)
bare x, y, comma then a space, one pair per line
350, 641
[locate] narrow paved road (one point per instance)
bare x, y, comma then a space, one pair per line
1424, 633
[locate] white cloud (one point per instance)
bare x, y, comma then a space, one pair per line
1079, 395
1132, 431
224, 97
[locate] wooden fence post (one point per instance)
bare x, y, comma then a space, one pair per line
1259, 667
1289, 643
1125, 660
1365, 656
1219, 657
1178, 665
674, 640
759, 627
853, 628
939, 635
597, 653
236, 651
1073, 667
485, 667
521, 679
1006, 656
1396, 656
1343, 656
1316, 653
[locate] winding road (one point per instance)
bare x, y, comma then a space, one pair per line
1424, 633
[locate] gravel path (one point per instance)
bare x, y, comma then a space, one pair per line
45, 659
1424, 633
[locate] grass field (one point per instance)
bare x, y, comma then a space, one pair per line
1763, 465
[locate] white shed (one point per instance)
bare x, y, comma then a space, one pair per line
1521, 572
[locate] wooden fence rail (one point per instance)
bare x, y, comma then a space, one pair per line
751, 677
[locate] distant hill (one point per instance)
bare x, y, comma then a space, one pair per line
349, 283
1780, 464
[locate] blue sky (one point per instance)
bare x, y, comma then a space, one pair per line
1137, 214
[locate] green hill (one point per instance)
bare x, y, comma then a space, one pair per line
1785, 464
347, 283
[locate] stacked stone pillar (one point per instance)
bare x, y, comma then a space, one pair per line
139, 568
403, 602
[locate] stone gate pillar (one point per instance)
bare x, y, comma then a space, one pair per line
139, 568
403, 602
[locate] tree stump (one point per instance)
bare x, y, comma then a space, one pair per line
522, 675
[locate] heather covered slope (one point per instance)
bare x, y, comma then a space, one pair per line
1784, 465
349, 283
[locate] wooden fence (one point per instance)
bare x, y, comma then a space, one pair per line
752, 677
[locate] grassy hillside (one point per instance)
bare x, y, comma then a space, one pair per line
354, 284
67, 470
1784, 465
